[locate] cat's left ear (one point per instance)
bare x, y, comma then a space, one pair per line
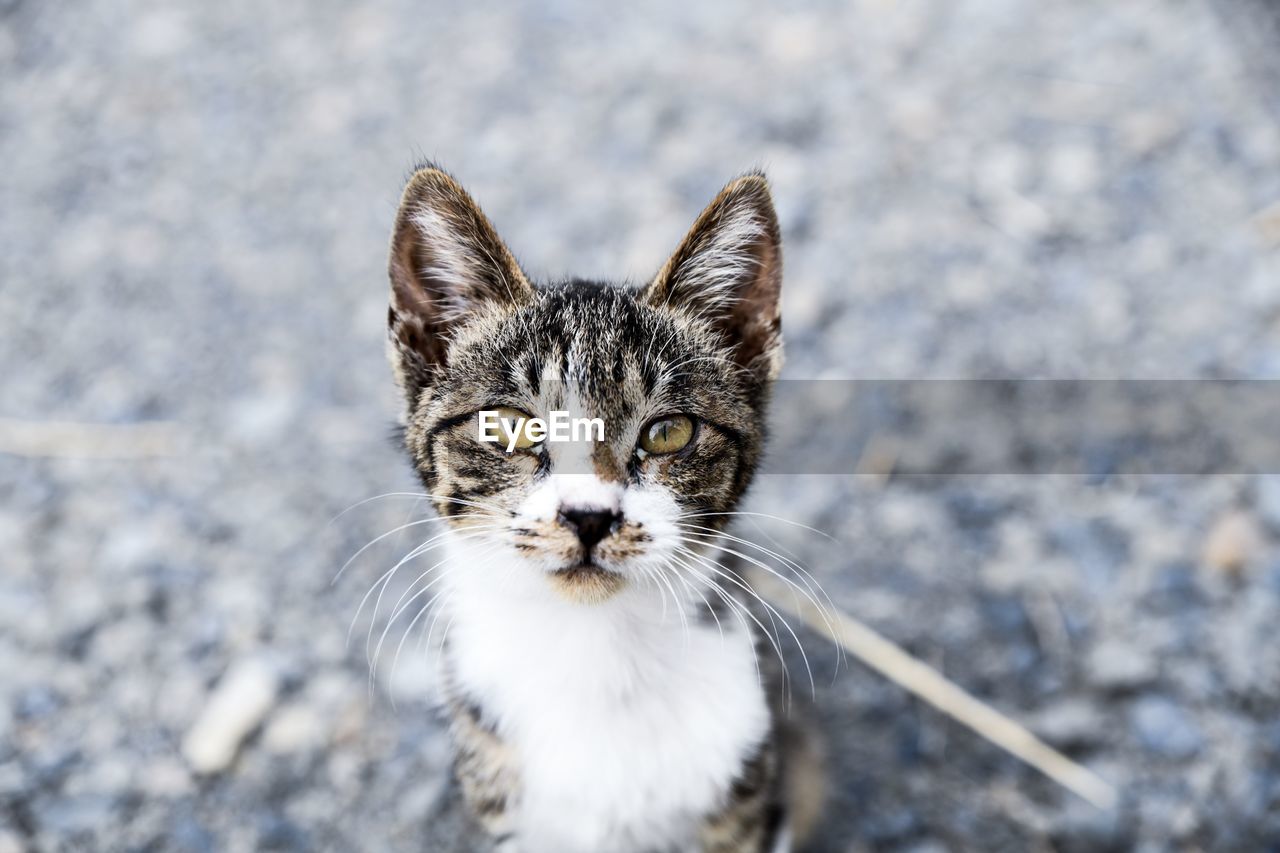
728, 270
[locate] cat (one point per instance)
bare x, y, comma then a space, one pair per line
604, 674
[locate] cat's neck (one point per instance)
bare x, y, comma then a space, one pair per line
507, 622
564, 683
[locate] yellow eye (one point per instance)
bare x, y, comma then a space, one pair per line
667, 434
510, 422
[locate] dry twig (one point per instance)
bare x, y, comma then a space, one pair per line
927, 683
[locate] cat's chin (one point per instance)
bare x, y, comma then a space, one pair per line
587, 583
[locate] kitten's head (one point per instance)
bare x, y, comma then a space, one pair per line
678, 371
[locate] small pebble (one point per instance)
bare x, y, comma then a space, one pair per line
1233, 542
1071, 723
236, 707
1120, 665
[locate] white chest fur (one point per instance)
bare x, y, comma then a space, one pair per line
628, 726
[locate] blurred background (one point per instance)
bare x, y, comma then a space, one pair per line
195, 203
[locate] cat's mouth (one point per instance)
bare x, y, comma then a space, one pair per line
587, 582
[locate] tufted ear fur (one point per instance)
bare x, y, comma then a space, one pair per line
728, 270
446, 263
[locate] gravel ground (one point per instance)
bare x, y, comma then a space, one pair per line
194, 209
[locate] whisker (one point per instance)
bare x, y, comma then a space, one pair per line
690, 586
372, 658
434, 542
395, 661
424, 642
684, 623
652, 576
810, 582
359, 504
821, 533
740, 609
445, 498
805, 576
755, 652
795, 637
416, 552
396, 609
752, 592
399, 610
384, 578
378, 539
444, 636
708, 561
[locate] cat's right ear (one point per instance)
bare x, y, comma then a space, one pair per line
447, 263
728, 272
